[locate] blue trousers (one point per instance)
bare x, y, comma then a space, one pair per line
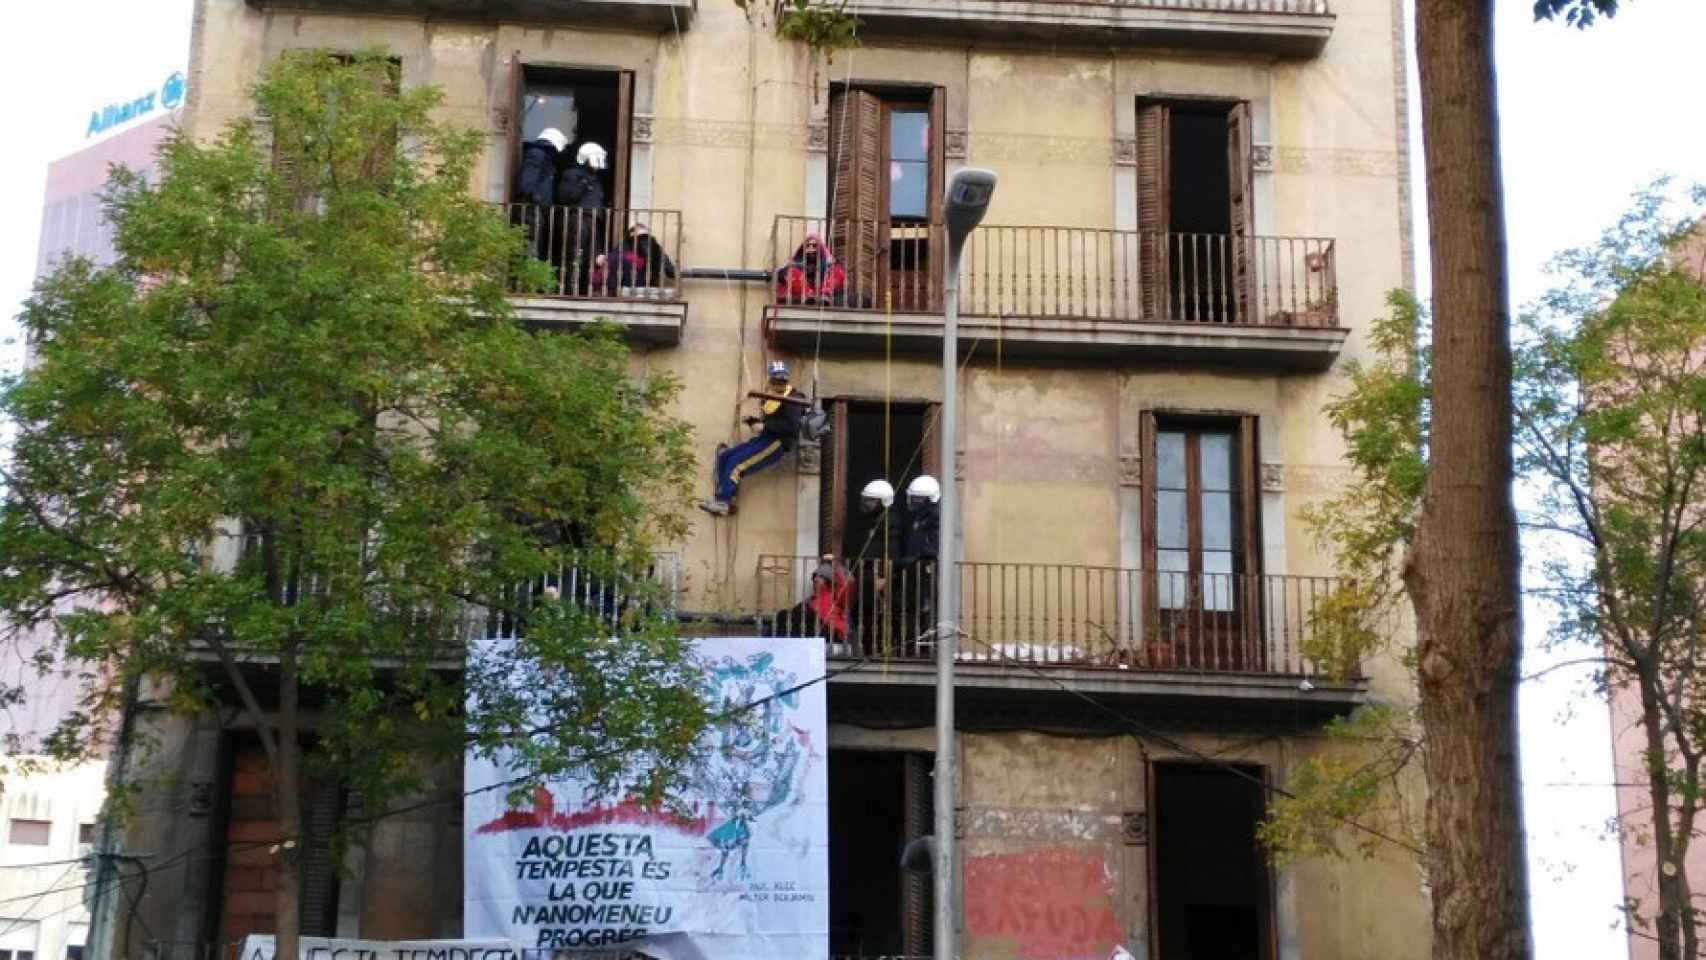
735, 463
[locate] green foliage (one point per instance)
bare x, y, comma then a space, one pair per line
824, 27
1383, 419
1577, 13
296, 423
1353, 778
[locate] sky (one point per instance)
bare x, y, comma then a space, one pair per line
1587, 117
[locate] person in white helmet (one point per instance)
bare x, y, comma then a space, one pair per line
921, 545
536, 187
587, 221
778, 431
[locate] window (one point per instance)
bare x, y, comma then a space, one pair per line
878, 802
86, 834
885, 182
18, 954
74, 952
1195, 516
586, 106
1200, 541
1193, 209
34, 833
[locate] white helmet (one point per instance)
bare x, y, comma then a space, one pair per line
879, 490
556, 138
924, 487
591, 155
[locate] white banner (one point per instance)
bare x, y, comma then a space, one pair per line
263, 946
741, 874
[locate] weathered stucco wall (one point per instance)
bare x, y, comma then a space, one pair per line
1047, 473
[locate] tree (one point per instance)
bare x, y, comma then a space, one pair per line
304, 356
1462, 571
1612, 431
1610, 408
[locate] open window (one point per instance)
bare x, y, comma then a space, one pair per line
1201, 543
886, 174
878, 802
1210, 891
871, 440
587, 106
1193, 209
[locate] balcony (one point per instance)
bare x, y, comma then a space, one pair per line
634, 14
1284, 28
1238, 640
592, 279
1269, 303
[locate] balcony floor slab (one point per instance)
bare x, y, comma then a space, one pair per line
1308, 349
645, 321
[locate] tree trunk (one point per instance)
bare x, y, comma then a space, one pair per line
1667, 924
1463, 569
287, 791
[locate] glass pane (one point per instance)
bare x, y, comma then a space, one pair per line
909, 183
545, 106
1217, 461
1172, 578
909, 135
1170, 530
1170, 460
1217, 521
1217, 580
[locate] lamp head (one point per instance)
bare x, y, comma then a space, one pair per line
967, 200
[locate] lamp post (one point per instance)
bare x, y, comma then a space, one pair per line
963, 208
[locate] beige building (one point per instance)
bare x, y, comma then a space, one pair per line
50, 816
1200, 207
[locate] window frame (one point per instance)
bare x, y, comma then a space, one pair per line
1200, 635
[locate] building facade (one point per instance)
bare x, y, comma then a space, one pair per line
1199, 211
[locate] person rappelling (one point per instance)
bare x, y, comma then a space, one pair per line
782, 408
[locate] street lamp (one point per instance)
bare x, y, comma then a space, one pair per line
963, 209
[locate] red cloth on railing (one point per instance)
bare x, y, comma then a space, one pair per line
812, 276
832, 598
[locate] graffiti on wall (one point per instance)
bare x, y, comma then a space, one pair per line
1050, 904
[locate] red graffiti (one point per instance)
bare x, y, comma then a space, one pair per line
1051, 904
544, 816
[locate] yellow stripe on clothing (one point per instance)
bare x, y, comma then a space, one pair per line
748, 463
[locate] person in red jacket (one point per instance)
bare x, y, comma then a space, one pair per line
813, 276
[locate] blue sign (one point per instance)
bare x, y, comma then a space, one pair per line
170, 95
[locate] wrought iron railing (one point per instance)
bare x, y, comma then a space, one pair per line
1316, 7
1061, 272
1051, 615
655, 590
604, 254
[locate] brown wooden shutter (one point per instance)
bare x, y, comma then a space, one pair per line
620, 160
918, 914
322, 808
1240, 193
1251, 608
832, 482
931, 457
513, 114
859, 223
1154, 218
1146, 521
